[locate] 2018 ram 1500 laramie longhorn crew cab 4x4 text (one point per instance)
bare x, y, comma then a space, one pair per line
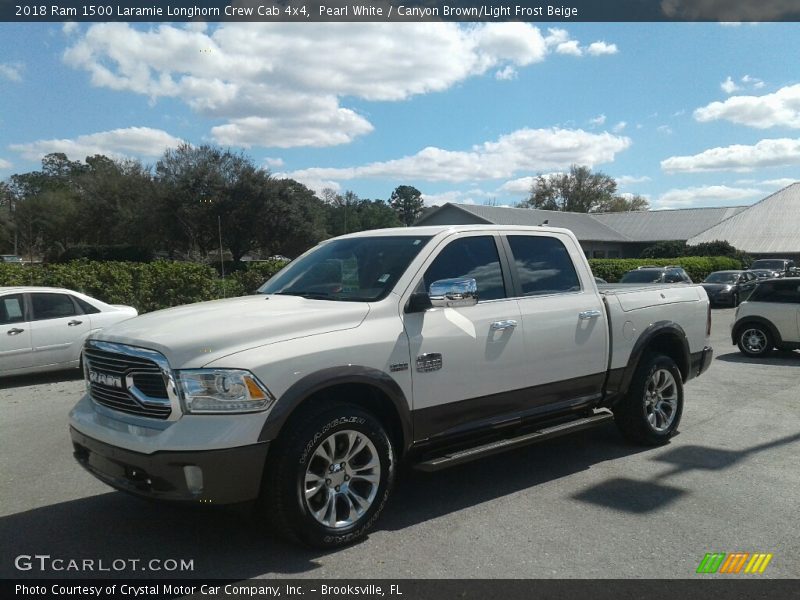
434, 345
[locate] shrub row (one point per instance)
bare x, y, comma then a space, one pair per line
698, 267
161, 284
147, 286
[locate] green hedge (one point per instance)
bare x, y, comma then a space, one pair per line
698, 267
147, 286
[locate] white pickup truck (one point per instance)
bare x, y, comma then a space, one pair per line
431, 345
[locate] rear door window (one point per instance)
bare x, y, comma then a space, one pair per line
52, 306
543, 265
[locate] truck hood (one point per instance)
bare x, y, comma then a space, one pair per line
196, 334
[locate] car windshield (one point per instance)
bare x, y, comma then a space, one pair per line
773, 265
722, 277
642, 276
360, 269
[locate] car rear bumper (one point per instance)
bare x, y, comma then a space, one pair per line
225, 476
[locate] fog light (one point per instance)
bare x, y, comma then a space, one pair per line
194, 478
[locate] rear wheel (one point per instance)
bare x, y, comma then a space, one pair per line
328, 477
754, 340
651, 411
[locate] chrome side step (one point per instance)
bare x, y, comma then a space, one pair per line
462, 456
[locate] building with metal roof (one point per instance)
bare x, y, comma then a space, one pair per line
602, 235
769, 227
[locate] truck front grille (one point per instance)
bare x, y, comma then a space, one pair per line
127, 380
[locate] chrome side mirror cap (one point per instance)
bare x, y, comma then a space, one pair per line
453, 293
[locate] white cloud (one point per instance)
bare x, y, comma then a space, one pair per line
598, 120
11, 71
265, 79
69, 28
273, 163
729, 86
706, 195
522, 150
133, 141
4, 164
779, 109
506, 73
665, 129
630, 179
778, 183
619, 127
754, 82
572, 47
601, 48
518, 186
456, 196
738, 157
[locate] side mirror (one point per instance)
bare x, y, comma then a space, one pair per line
454, 293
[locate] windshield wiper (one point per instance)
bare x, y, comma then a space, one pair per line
311, 295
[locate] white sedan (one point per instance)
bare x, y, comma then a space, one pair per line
43, 328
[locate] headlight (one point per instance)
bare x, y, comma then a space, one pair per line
222, 391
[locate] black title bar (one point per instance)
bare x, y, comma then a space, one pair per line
402, 11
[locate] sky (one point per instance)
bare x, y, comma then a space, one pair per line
685, 114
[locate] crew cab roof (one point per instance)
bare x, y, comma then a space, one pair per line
433, 230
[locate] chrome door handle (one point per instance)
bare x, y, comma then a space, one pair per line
74, 322
589, 314
501, 325
14, 331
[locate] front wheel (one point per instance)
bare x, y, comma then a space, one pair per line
651, 411
328, 477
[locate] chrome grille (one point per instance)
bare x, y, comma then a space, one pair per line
126, 382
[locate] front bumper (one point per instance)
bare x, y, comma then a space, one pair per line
700, 361
224, 476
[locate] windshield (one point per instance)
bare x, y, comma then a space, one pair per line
773, 265
642, 276
722, 277
362, 269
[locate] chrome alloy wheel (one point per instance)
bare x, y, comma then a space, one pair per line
342, 479
754, 340
661, 399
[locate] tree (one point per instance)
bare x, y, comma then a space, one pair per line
348, 213
623, 204
580, 190
195, 188
406, 201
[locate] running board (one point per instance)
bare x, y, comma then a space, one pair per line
462, 456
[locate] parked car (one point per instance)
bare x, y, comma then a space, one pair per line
765, 273
43, 328
10, 258
430, 345
769, 319
729, 287
783, 267
656, 275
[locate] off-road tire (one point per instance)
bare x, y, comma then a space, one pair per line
282, 504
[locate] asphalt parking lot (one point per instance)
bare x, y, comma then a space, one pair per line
584, 506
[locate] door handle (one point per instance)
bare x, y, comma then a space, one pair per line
501, 325
15, 331
74, 322
589, 314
